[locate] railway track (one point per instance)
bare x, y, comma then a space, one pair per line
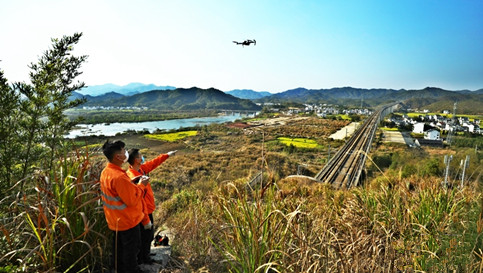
345, 168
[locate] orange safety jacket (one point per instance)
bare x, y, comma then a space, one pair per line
145, 168
123, 205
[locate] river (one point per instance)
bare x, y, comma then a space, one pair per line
119, 127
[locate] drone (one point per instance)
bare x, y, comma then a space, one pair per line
246, 42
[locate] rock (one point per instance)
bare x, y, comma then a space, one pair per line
151, 268
160, 256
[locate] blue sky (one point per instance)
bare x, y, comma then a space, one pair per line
312, 44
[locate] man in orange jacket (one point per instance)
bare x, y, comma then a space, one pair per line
123, 208
137, 167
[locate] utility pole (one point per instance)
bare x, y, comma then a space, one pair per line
298, 168
465, 165
447, 160
263, 159
452, 125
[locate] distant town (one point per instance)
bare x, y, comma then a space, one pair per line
427, 128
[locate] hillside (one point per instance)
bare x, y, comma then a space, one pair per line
436, 99
179, 99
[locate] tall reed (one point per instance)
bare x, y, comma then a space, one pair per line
390, 228
57, 223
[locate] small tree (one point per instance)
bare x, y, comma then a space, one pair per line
9, 132
46, 99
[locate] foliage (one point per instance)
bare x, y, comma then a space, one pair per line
254, 231
131, 115
299, 142
302, 226
180, 99
470, 142
37, 121
355, 117
56, 223
389, 129
51, 218
10, 132
171, 137
470, 117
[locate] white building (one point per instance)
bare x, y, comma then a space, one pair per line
432, 134
418, 128
471, 127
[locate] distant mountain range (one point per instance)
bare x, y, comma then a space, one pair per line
129, 89
136, 88
431, 98
248, 94
179, 99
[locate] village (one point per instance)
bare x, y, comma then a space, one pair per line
428, 129
419, 128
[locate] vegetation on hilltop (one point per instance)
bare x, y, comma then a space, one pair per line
179, 99
430, 97
133, 115
49, 209
401, 218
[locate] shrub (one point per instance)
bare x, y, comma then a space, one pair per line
57, 223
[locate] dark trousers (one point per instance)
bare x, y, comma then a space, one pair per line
147, 236
125, 249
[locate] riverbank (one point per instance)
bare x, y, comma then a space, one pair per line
89, 116
112, 129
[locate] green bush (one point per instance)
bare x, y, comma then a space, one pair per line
432, 167
382, 161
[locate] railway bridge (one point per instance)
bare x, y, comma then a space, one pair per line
345, 168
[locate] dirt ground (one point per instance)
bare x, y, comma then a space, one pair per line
347, 131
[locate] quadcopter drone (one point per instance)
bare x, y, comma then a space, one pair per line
246, 42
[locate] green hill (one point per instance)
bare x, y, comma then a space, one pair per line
179, 99
432, 98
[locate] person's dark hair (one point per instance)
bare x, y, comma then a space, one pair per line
133, 153
110, 148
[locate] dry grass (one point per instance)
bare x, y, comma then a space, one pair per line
56, 224
393, 224
402, 221
300, 226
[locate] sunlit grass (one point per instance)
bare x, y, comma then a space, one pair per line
171, 137
299, 142
302, 226
470, 117
92, 146
389, 129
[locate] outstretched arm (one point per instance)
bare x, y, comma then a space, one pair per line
153, 164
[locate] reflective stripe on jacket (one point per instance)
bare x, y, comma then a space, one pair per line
122, 199
146, 168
